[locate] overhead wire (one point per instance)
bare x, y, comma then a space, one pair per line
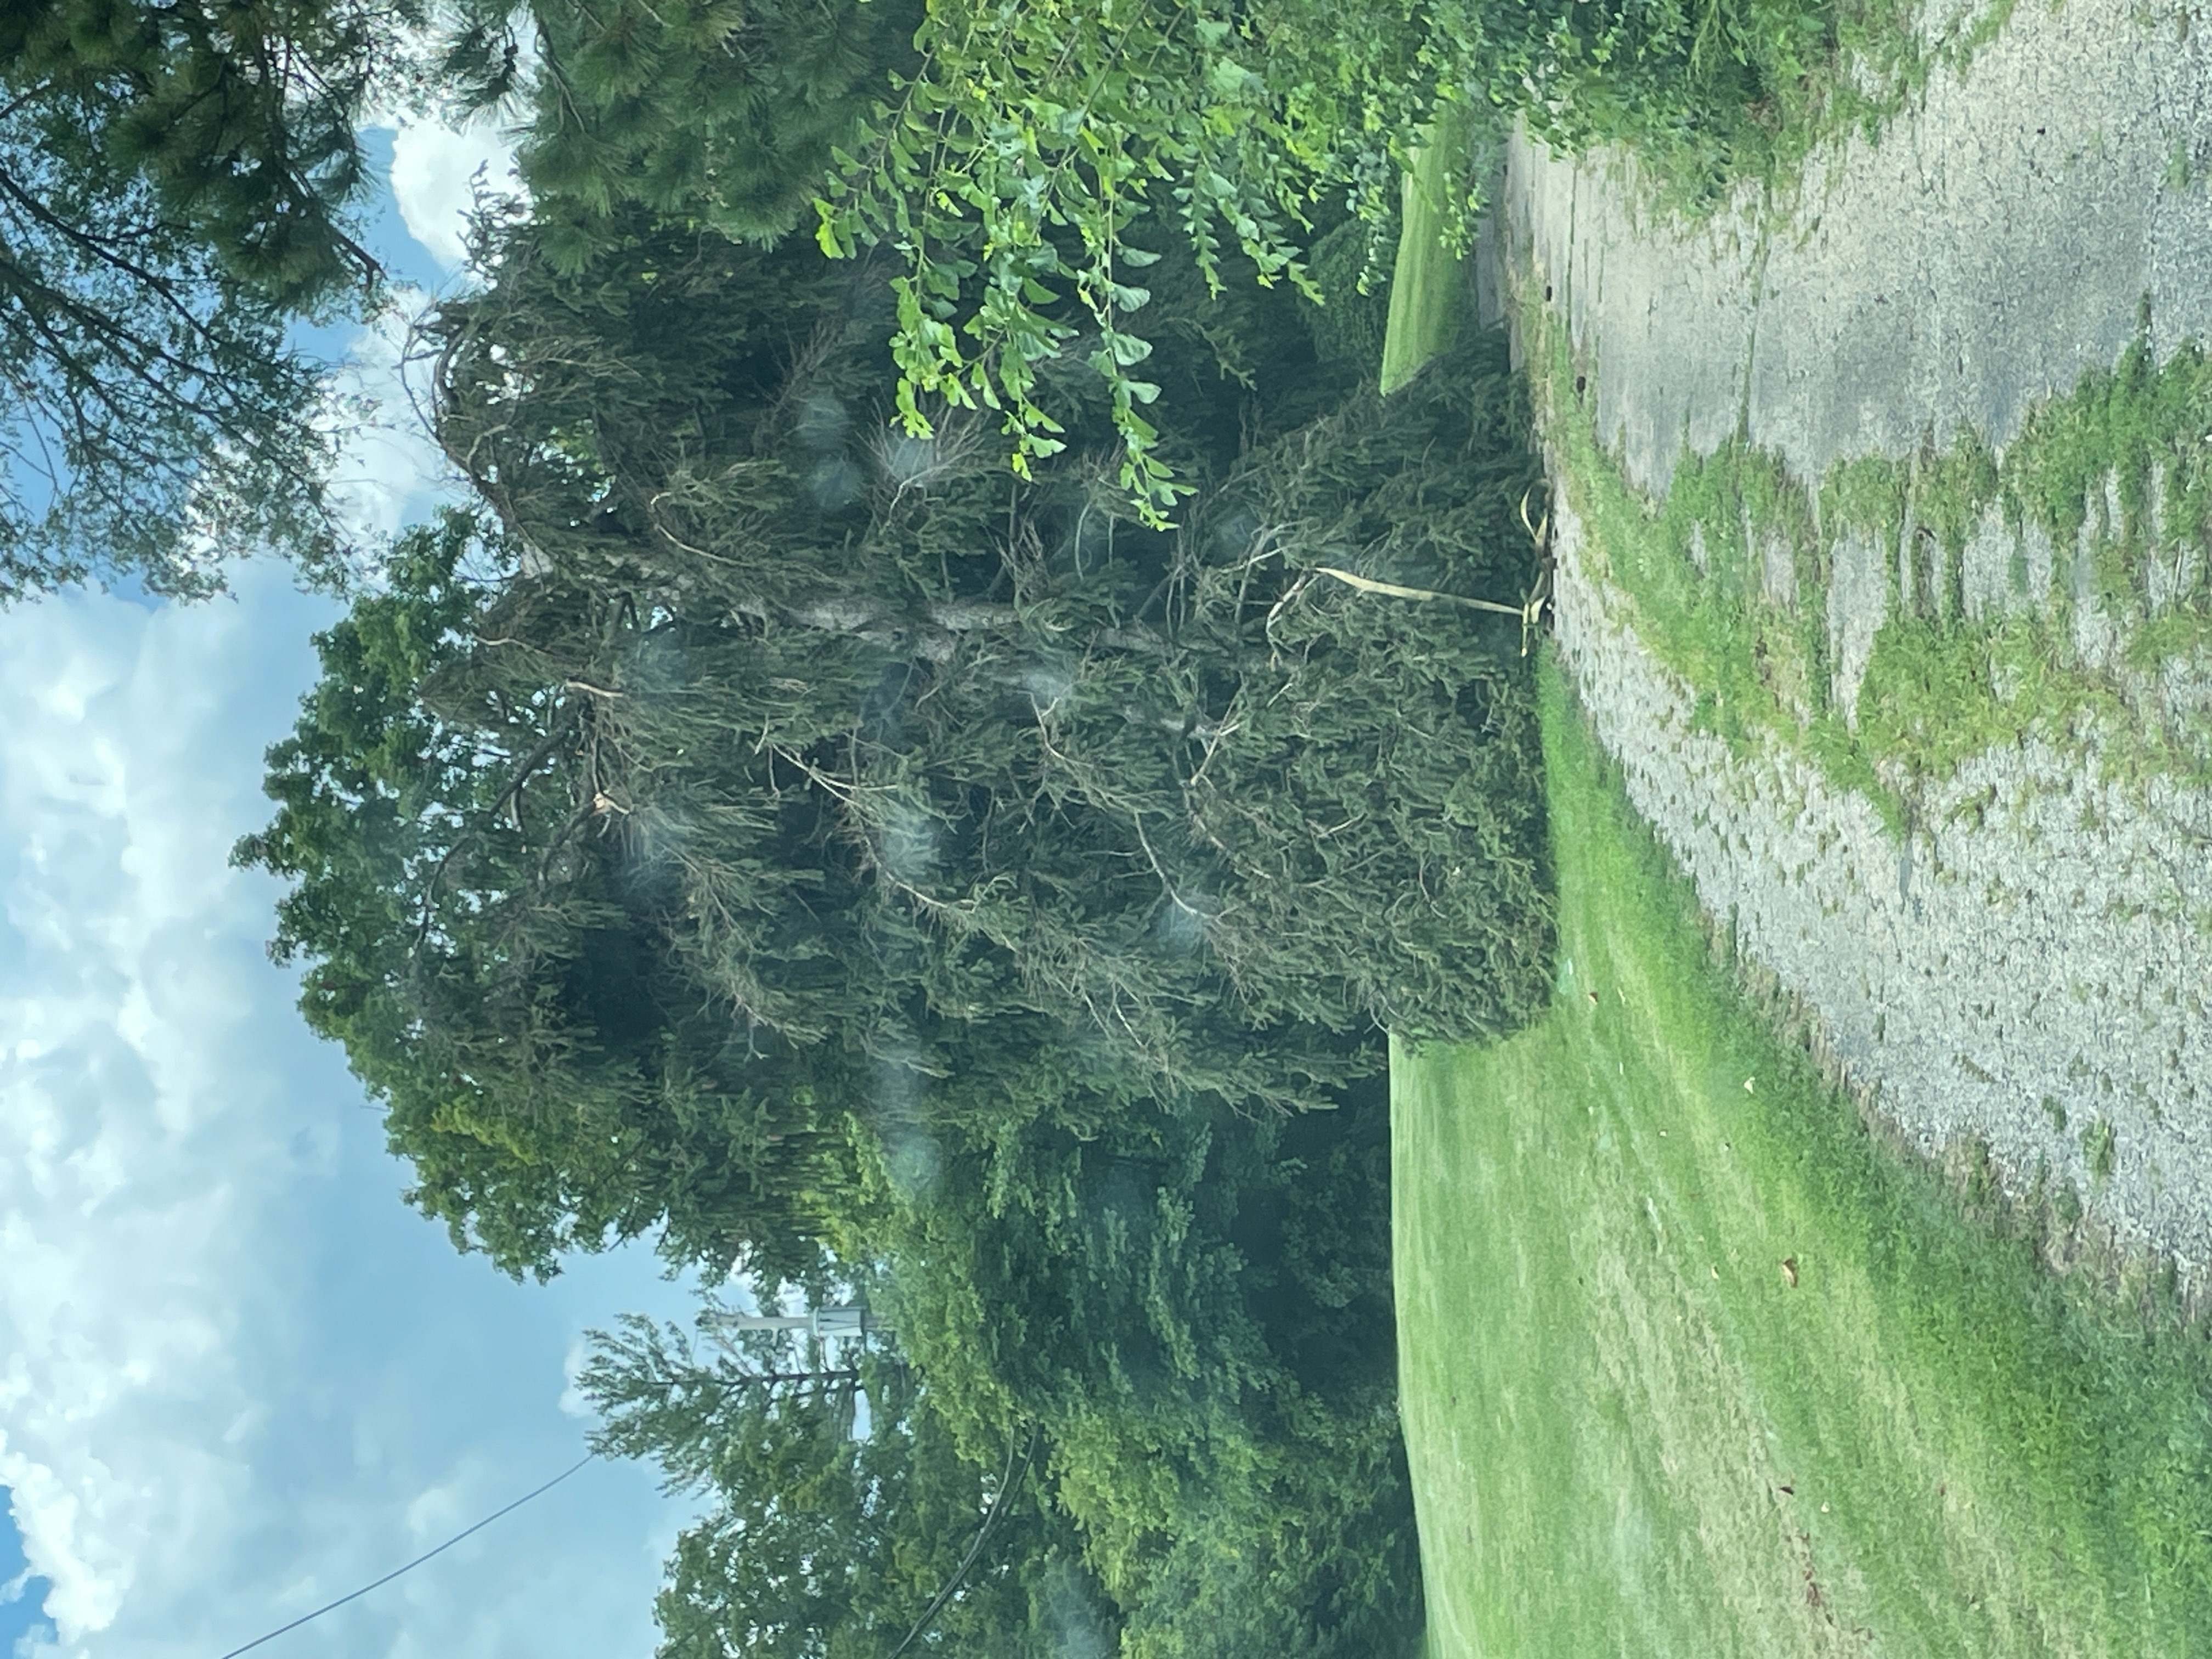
305, 1618
1007, 1481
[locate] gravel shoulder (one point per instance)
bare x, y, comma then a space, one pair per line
2027, 964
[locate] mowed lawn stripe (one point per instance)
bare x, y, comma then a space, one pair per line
1631, 1433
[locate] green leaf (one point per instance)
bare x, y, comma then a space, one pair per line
1128, 348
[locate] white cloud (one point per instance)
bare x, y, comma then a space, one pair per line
236, 1378
389, 470
436, 174
108, 1043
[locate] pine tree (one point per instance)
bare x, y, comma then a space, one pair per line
174, 183
821, 1543
709, 112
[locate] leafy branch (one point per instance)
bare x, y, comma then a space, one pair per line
1033, 139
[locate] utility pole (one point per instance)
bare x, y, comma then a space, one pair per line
845, 1319
846, 1322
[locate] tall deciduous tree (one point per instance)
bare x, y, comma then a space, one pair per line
175, 177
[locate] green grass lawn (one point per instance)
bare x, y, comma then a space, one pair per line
1630, 1434
1427, 283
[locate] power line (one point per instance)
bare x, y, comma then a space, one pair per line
1007, 1482
304, 1617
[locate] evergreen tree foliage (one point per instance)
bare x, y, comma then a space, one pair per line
175, 180
820, 1543
992, 697
867, 753
1177, 1327
239, 116
1194, 1309
762, 825
710, 112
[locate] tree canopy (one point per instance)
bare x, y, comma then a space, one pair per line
175, 181
707, 111
1017, 168
768, 755
820, 1542
756, 827
1167, 1342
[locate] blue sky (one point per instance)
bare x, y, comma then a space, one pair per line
238, 1378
